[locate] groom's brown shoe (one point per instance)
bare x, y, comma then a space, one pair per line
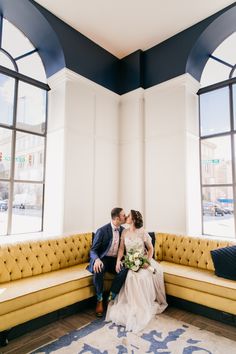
99, 309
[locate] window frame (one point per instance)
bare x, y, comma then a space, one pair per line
232, 133
11, 180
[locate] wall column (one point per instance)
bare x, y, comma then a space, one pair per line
82, 154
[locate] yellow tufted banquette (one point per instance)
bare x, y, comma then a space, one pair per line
41, 276
38, 277
189, 271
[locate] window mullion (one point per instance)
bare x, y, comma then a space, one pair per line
12, 169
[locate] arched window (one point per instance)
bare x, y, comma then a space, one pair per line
23, 117
218, 141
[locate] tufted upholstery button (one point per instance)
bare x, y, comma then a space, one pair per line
51, 264
10, 273
21, 270
27, 258
16, 260
5, 262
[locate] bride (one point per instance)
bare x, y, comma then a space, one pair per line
143, 294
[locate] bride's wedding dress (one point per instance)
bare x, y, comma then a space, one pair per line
143, 293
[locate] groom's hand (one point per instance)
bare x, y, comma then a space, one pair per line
118, 266
98, 265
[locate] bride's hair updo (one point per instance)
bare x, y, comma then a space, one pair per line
137, 218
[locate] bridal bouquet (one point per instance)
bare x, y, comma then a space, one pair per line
134, 260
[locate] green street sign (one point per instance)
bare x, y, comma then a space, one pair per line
214, 161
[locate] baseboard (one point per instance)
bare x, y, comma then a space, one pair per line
217, 315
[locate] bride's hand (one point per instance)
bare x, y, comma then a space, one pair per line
118, 266
145, 265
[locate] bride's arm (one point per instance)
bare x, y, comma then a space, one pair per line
150, 250
149, 246
120, 252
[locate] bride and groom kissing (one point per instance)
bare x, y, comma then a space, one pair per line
135, 296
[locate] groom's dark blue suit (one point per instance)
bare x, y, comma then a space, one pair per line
101, 244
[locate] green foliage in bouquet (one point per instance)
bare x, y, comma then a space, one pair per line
134, 260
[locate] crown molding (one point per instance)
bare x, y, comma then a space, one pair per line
186, 80
66, 75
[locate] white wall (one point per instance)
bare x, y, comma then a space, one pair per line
82, 154
132, 151
172, 157
139, 151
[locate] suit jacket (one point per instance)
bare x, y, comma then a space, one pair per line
101, 244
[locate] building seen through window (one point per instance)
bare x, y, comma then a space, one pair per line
23, 111
217, 141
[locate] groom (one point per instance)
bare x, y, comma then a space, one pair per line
103, 256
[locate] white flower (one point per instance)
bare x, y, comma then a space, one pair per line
131, 258
135, 268
136, 255
137, 262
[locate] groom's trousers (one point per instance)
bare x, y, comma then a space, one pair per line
109, 266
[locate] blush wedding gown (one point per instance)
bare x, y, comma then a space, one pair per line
142, 296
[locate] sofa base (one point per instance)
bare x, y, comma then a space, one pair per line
44, 320
202, 310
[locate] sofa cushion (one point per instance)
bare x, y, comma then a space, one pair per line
199, 279
189, 251
33, 257
224, 260
25, 292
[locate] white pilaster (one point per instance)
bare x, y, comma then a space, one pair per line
172, 156
83, 178
132, 171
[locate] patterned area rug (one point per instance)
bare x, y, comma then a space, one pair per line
163, 335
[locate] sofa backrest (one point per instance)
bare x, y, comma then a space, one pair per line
186, 250
27, 258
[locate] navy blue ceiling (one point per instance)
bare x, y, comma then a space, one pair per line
61, 46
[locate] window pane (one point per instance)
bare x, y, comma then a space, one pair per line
29, 161
5, 61
214, 112
216, 160
28, 64
225, 50
5, 152
31, 108
27, 208
214, 72
7, 85
4, 191
14, 41
234, 105
218, 208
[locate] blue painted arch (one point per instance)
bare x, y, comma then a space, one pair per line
210, 38
27, 18
59, 46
